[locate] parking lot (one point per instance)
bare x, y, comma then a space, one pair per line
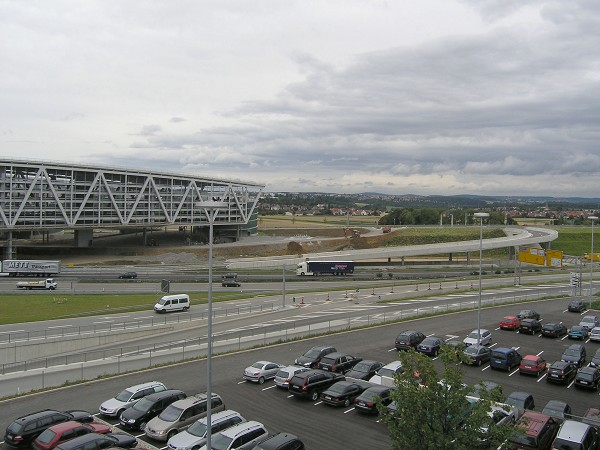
320, 425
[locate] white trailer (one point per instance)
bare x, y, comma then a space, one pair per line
48, 284
39, 268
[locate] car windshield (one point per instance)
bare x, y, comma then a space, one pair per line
499, 355
475, 335
220, 442
257, 365
525, 439
143, 405
370, 395
14, 428
585, 376
312, 353
198, 429
362, 367
472, 351
529, 363
46, 437
588, 319
383, 372
124, 396
429, 341
576, 328
282, 374
171, 414
338, 388
571, 352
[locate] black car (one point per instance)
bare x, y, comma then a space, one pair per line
23, 431
430, 345
343, 393
554, 330
575, 354
311, 383
477, 354
561, 372
576, 306
522, 400
129, 275
99, 441
281, 441
367, 401
558, 409
588, 378
595, 362
528, 314
230, 283
312, 357
530, 326
364, 369
137, 416
408, 339
338, 362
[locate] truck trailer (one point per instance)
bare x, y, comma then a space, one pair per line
324, 267
48, 284
23, 267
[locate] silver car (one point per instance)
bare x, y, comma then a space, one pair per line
285, 374
261, 371
195, 436
127, 397
589, 322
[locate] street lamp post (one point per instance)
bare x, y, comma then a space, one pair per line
592, 218
481, 216
211, 209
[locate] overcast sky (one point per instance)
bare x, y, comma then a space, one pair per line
498, 97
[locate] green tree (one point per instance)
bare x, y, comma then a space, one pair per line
434, 411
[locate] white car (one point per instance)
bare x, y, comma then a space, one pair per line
127, 397
595, 334
483, 337
285, 374
385, 375
261, 371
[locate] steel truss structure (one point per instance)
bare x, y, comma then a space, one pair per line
42, 195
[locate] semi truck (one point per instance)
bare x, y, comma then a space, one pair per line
324, 267
23, 267
48, 284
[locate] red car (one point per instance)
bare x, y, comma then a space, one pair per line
57, 434
532, 365
510, 323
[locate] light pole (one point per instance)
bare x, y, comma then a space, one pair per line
592, 218
211, 209
481, 216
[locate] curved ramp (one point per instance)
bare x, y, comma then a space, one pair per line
515, 236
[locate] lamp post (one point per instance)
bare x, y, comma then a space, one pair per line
211, 209
592, 218
481, 216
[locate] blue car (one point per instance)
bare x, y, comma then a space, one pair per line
578, 332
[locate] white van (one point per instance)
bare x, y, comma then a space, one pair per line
177, 302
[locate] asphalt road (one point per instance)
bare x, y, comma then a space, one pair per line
318, 425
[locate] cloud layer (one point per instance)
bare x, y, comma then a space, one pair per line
426, 97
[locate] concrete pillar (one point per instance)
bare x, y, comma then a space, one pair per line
450, 257
8, 250
84, 238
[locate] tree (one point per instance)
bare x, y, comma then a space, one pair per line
433, 411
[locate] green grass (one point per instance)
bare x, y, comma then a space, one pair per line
575, 240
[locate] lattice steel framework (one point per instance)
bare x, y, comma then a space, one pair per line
41, 195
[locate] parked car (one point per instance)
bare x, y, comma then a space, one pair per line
195, 436
408, 339
554, 329
181, 414
312, 357
486, 387
561, 372
510, 323
99, 441
385, 375
364, 369
366, 402
589, 322
532, 365
261, 371
137, 416
535, 431
595, 362
430, 345
22, 431
243, 436
62, 432
338, 362
522, 400
344, 392
504, 358
128, 275
528, 314
483, 337
530, 326
281, 441
573, 434
588, 378
575, 354
127, 397
577, 332
558, 409
592, 417
477, 354
576, 306
285, 374
311, 383
594, 334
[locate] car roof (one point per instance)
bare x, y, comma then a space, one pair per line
243, 427
163, 394
519, 395
64, 426
560, 364
221, 415
393, 365
576, 346
278, 439
533, 422
138, 387
531, 357
193, 399
333, 355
